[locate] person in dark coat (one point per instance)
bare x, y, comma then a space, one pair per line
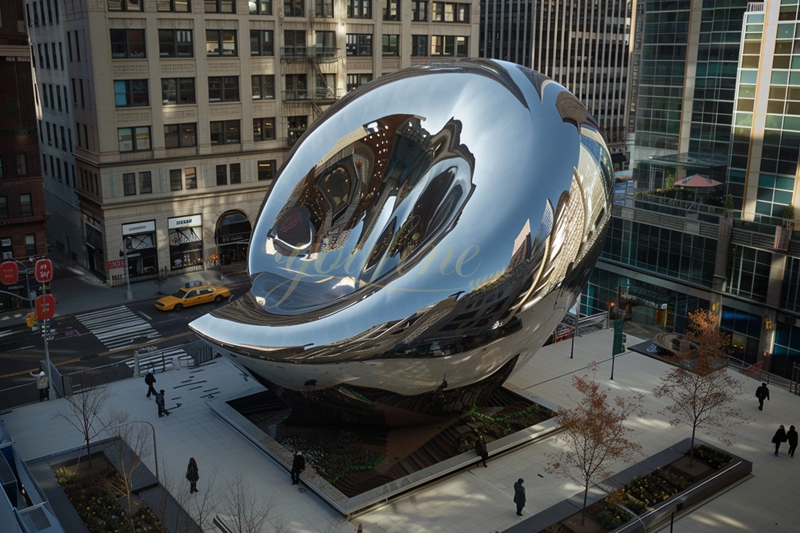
160, 404
298, 465
762, 393
481, 450
519, 495
150, 379
791, 436
192, 475
780, 436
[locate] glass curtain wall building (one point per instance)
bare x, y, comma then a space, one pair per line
718, 96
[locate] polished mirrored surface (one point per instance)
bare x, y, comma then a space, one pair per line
428, 232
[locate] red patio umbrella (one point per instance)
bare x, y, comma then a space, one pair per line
697, 182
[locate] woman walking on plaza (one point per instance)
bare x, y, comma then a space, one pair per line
192, 475
778, 438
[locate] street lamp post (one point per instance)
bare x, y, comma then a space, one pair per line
129, 294
155, 451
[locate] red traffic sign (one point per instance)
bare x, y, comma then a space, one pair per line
9, 273
45, 306
44, 270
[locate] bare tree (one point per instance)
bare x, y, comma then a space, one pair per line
244, 511
199, 507
594, 435
701, 389
132, 445
84, 413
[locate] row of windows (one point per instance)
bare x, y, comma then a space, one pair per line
34, 9
25, 206
54, 169
138, 138
186, 178
440, 11
360, 44
135, 93
45, 53
51, 97
51, 131
20, 166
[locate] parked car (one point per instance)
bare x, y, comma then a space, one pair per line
194, 295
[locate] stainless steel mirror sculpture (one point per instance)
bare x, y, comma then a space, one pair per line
422, 241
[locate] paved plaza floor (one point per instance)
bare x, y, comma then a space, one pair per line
477, 500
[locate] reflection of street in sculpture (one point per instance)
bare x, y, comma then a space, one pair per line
405, 264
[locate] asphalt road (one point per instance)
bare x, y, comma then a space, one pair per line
97, 338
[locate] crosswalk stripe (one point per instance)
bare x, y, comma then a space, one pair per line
117, 327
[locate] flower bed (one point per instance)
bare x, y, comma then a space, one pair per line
89, 492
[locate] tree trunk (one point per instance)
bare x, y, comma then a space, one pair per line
691, 447
585, 496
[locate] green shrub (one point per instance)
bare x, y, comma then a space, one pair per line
612, 518
64, 475
652, 488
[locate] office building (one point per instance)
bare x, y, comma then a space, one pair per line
182, 111
584, 46
22, 210
718, 96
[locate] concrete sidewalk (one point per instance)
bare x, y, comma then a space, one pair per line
478, 500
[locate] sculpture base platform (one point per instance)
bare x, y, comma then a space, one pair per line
354, 468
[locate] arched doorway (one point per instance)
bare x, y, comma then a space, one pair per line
232, 237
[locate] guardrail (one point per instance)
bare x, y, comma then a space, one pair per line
755, 371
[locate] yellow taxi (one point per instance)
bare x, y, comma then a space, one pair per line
192, 294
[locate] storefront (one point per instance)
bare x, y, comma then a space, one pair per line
186, 242
140, 241
233, 237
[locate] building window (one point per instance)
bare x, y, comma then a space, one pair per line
323, 8
449, 12
326, 43
296, 87
419, 11
177, 91
419, 45
220, 6
448, 46
261, 43
222, 174
392, 10
180, 135
359, 44
190, 177
127, 44
236, 173
145, 183
264, 129
356, 80
292, 8
221, 42
359, 9
26, 205
175, 6
225, 132
3, 207
120, 5
134, 139
30, 244
260, 7
129, 184
266, 170
223, 89
175, 43
175, 180
294, 44
389, 45
131, 93
296, 127
22, 165
263, 87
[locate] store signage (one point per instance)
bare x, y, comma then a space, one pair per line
191, 221
45, 306
44, 270
9, 273
138, 227
116, 263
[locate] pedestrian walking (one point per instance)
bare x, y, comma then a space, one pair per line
780, 436
43, 384
762, 393
149, 378
192, 475
160, 404
481, 451
519, 495
298, 465
791, 436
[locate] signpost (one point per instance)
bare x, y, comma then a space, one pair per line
44, 271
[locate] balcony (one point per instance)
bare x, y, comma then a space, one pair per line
294, 52
295, 95
327, 93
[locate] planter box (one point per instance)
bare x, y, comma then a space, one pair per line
694, 494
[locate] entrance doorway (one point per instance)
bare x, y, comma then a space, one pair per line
232, 236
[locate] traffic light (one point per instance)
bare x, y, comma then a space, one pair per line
30, 320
